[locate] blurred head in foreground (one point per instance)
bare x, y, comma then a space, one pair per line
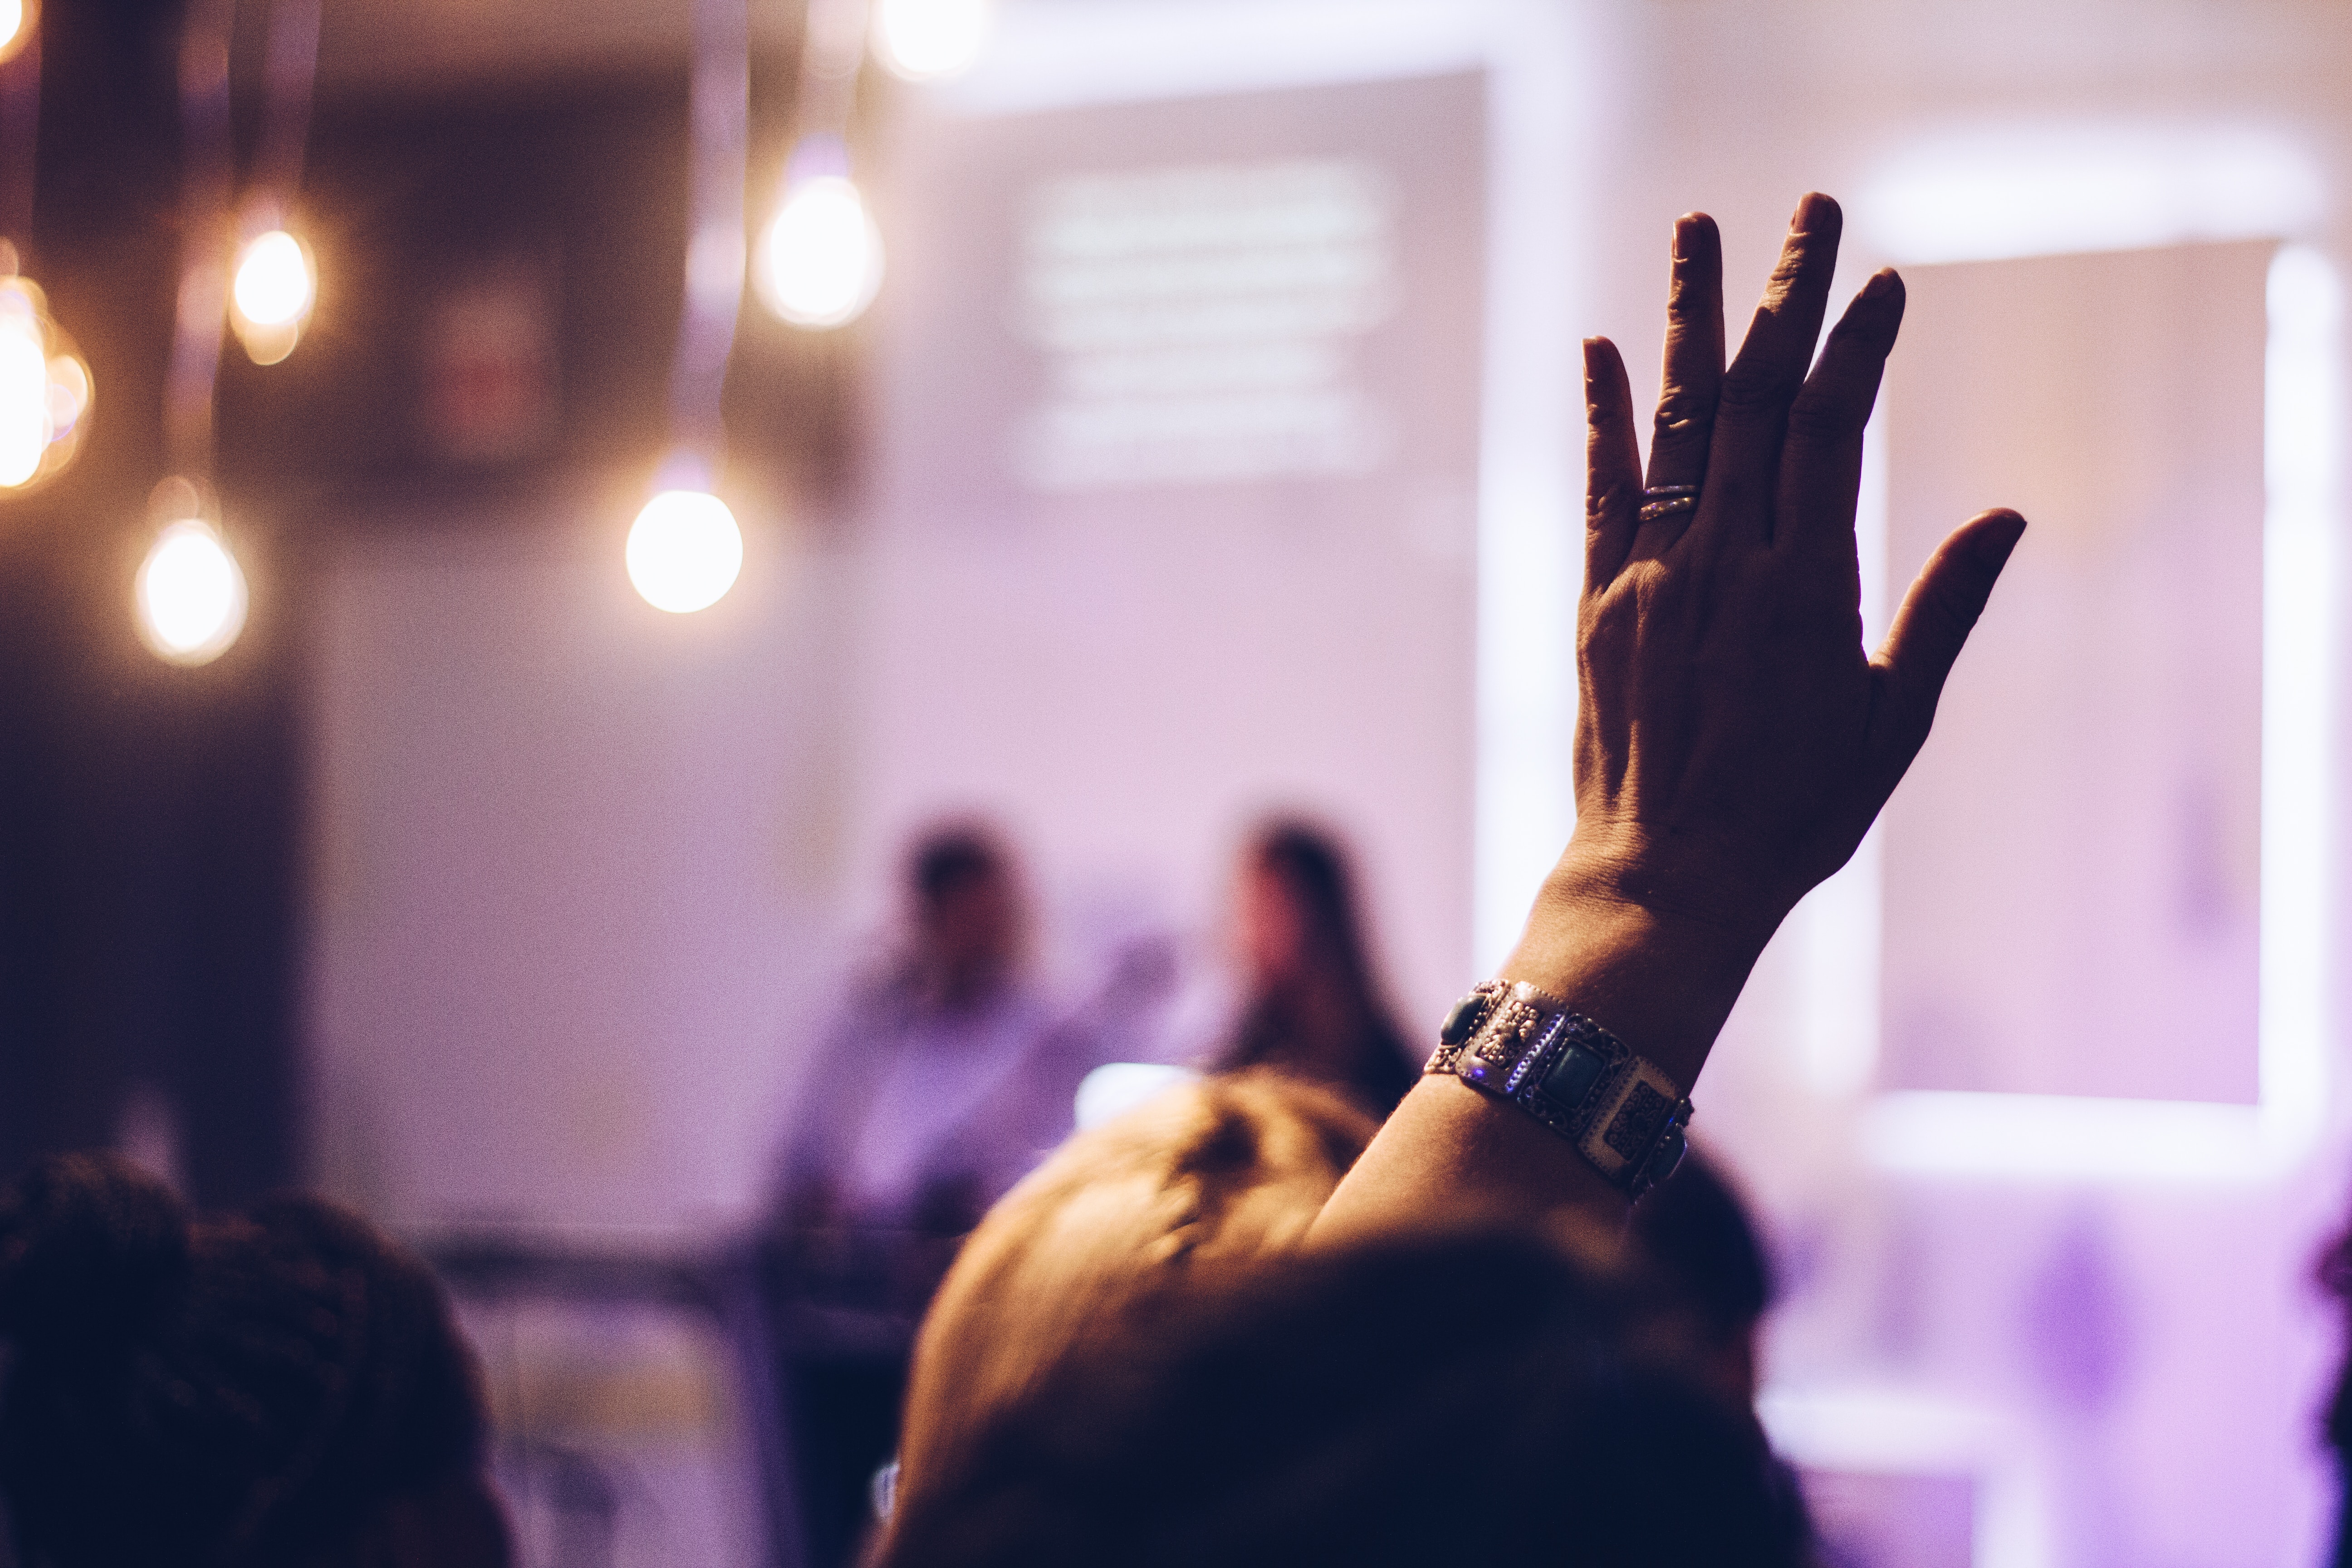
1135, 1362
1314, 1007
285, 1388
1695, 1232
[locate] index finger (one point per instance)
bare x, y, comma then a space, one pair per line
1752, 413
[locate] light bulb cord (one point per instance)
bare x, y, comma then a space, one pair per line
206, 178
833, 51
20, 128
719, 115
293, 69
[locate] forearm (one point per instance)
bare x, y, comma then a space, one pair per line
1663, 983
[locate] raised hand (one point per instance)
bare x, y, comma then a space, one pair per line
1734, 740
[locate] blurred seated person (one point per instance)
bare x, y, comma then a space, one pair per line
1452, 1363
941, 1080
1313, 1009
280, 1389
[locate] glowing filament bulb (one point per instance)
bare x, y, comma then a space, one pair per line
819, 260
273, 279
190, 594
17, 21
274, 289
26, 425
924, 39
45, 391
685, 551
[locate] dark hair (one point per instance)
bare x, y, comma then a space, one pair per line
1313, 869
2332, 1270
1696, 1229
947, 859
245, 1391
1482, 1399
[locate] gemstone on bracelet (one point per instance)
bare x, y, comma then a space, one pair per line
1463, 1021
1572, 1076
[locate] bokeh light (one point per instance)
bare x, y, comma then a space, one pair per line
190, 594
19, 20
922, 40
271, 298
820, 259
44, 389
685, 551
24, 400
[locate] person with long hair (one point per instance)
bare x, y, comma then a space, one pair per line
1315, 1009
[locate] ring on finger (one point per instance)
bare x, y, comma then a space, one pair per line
1664, 501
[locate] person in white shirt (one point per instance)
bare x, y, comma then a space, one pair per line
942, 1078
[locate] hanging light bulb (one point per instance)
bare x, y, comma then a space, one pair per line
190, 590
270, 301
19, 20
44, 387
820, 259
923, 40
684, 549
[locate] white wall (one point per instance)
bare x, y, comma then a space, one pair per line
575, 872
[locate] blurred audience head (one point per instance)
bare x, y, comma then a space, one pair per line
1697, 1233
1297, 911
1134, 1362
1108, 1240
1314, 1007
2332, 1270
282, 1387
967, 922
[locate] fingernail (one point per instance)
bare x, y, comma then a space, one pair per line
1813, 211
1683, 227
1882, 282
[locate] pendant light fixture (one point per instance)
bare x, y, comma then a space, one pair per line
819, 260
189, 597
276, 278
685, 549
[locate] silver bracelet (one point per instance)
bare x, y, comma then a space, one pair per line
1625, 1115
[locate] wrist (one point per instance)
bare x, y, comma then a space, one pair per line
1631, 944
1700, 887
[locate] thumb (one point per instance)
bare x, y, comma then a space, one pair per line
1930, 629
